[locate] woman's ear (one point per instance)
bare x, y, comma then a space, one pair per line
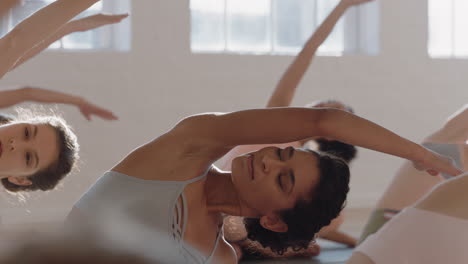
274, 223
21, 181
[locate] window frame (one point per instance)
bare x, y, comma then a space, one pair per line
361, 33
116, 37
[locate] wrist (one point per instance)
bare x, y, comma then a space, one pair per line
78, 101
418, 153
344, 4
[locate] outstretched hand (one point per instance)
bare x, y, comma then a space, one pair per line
88, 109
355, 2
434, 163
95, 21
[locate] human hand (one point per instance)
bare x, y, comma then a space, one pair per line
329, 104
355, 2
433, 163
88, 109
95, 21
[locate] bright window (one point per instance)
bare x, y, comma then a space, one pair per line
279, 26
115, 37
448, 22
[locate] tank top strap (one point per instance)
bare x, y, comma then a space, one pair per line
203, 175
218, 238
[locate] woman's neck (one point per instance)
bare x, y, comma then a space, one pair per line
221, 195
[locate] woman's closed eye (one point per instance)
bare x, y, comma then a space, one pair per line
285, 182
27, 158
27, 134
280, 182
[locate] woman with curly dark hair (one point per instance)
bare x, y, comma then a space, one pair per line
282, 96
171, 185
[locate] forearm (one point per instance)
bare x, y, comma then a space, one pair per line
357, 131
36, 28
286, 88
63, 31
282, 125
47, 96
12, 97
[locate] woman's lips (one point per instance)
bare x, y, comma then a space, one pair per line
251, 166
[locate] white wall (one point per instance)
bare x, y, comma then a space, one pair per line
160, 81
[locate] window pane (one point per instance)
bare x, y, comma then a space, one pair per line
293, 23
79, 40
248, 25
56, 45
269, 26
440, 28
335, 42
26, 9
88, 39
207, 32
461, 26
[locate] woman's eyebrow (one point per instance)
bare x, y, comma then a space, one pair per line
291, 152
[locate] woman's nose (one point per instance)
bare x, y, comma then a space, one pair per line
270, 164
11, 144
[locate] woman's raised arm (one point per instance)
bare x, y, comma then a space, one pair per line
15, 96
79, 25
286, 88
37, 28
282, 125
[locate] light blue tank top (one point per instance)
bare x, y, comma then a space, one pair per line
151, 203
448, 150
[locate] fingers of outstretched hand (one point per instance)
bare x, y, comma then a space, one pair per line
87, 116
436, 164
121, 16
113, 18
357, 2
445, 165
105, 114
110, 116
